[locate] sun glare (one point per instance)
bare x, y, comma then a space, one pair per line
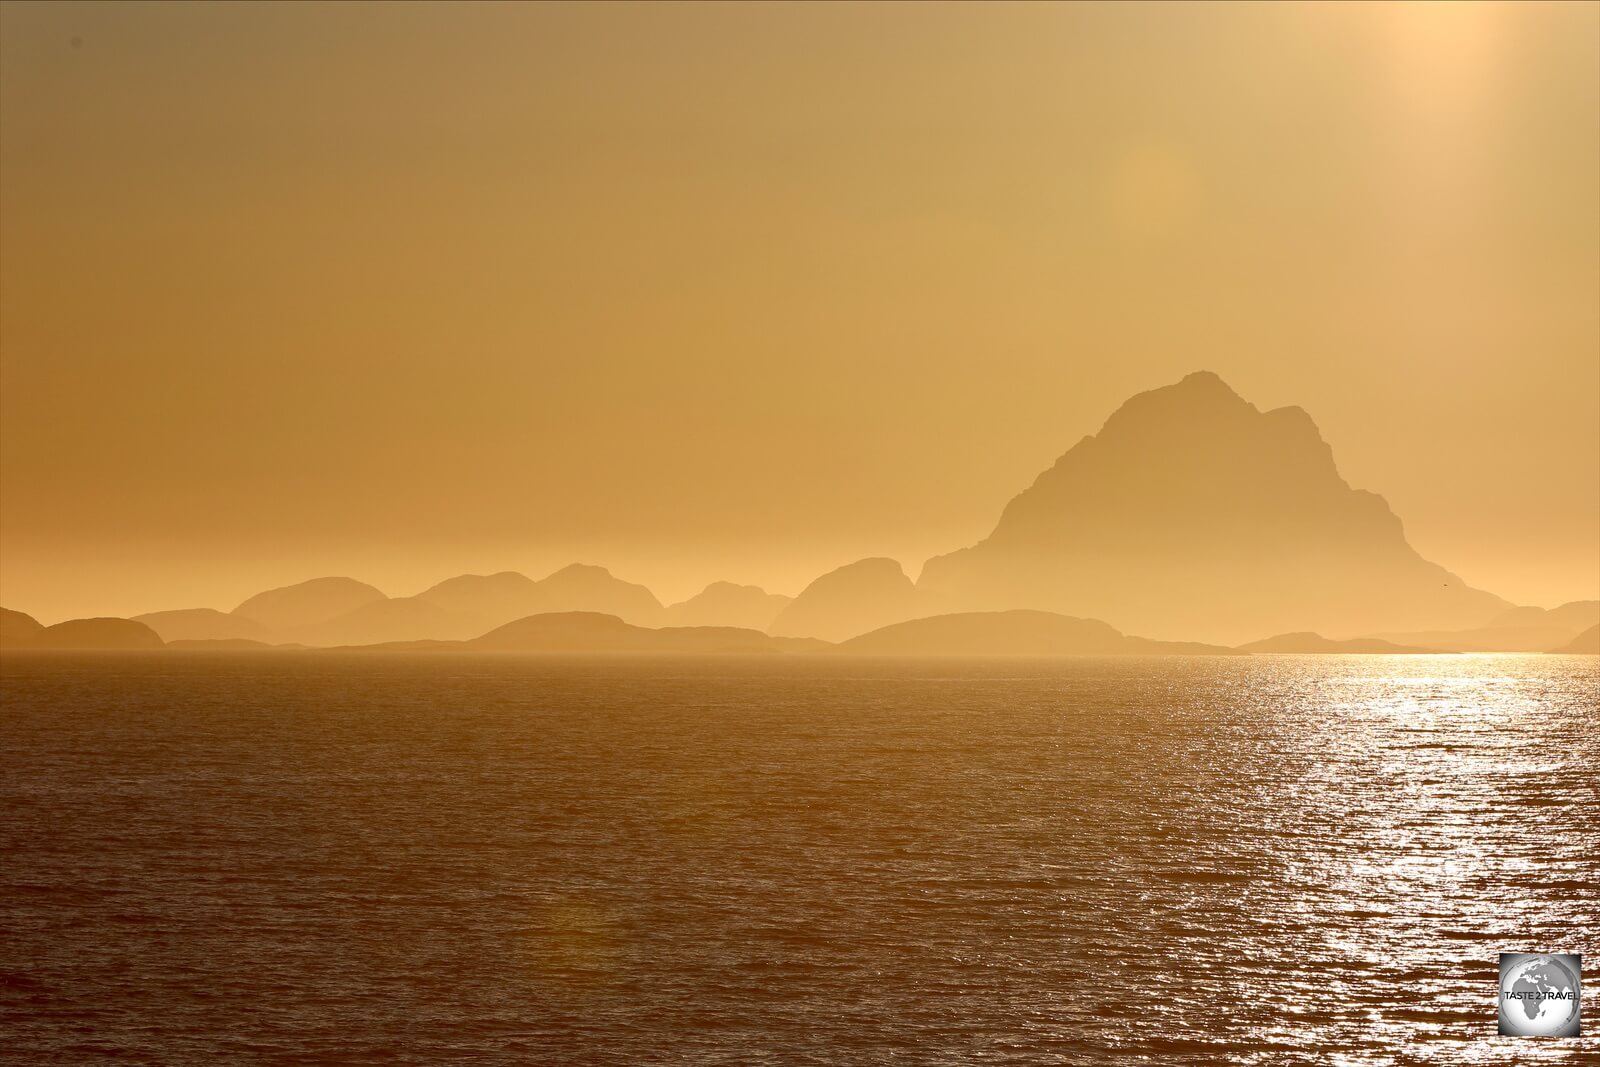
1442, 52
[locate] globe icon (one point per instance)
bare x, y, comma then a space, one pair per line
1539, 996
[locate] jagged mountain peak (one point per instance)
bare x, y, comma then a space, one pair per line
1193, 513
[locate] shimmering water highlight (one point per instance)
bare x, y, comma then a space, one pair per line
425, 859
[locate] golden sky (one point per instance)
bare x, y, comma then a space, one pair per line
748, 292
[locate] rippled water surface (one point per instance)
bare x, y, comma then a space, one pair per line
210, 858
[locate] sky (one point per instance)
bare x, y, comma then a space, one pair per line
748, 292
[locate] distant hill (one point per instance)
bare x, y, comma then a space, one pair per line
583, 587
1192, 512
727, 604
491, 599
225, 644
18, 629
852, 600
1523, 629
1579, 614
1316, 643
307, 603
587, 631
329, 612
1585, 644
97, 634
1012, 633
203, 624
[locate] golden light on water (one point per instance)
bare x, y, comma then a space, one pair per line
573, 939
796, 533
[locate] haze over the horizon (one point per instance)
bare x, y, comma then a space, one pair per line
749, 292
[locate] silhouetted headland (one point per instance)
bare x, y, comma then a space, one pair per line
224, 644
1013, 633
18, 629
1585, 644
584, 632
102, 633
1305, 643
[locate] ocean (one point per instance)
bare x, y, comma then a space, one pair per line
317, 857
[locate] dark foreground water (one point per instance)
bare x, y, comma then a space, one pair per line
325, 858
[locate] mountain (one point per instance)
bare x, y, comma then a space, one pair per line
852, 600
1192, 512
222, 644
582, 587
308, 603
727, 604
97, 634
1576, 615
396, 619
587, 631
1585, 644
18, 629
1522, 629
203, 624
1012, 633
1316, 643
493, 599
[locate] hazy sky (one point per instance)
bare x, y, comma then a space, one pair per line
748, 292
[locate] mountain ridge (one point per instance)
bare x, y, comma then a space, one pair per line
1191, 511
1189, 514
